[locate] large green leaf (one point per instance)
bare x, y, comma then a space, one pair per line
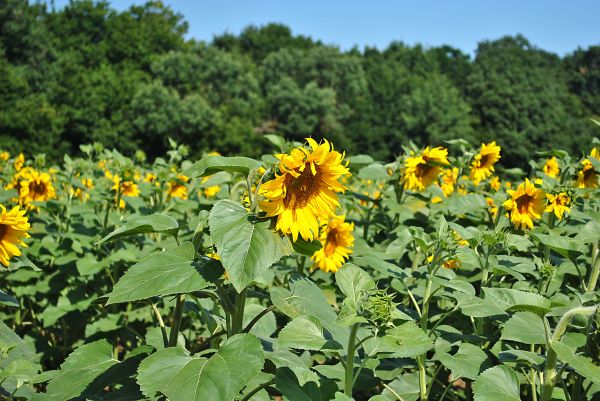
80, 368
289, 385
180, 377
9, 300
404, 341
246, 245
511, 299
562, 245
354, 282
305, 333
465, 363
15, 354
473, 306
154, 223
525, 327
499, 383
162, 273
210, 165
582, 364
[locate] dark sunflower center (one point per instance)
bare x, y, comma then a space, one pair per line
302, 189
331, 242
484, 160
423, 169
37, 188
523, 203
589, 175
3, 231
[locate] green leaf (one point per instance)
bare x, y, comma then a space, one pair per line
305, 333
476, 307
210, 165
374, 172
512, 300
162, 273
517, 355
289, 385
525, 327
8, 300
404, 341
180, 377
582, 364
354, 282
306, 248
499, 383
562, 245
154, 223
80, 368
465, 363
246, 245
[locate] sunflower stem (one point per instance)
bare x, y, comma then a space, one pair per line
238, 313
349, 376
593, 279
176, 321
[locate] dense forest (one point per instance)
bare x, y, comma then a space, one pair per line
131, 80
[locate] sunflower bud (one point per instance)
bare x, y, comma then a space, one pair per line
378, 308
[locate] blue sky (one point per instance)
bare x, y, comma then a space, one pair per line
558, 26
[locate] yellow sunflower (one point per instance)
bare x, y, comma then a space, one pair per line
337, 241
492, 208
587, 177
211, 191
421, 170
305, 190
559, 204
83, 195
4, 156
13, 229
36, 187
449, 178
177, 188
19, 161
482, 165
525, 204
551, 168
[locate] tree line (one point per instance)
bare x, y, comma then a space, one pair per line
131, 80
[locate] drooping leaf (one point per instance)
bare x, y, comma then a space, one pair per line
582, 364
210, 165
154, 223
287, 382
159, 274
247, 246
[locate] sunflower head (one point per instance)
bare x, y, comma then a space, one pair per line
587, 177
305, 189
423, 169
525, 204
558, 204
19, 161
4, 156
551, 168
337, 240
36, 186
13, 229
177, 187
482, 165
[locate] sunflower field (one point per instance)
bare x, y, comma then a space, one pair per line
310, 274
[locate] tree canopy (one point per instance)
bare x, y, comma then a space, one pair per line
131, 80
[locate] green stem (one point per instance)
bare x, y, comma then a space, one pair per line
423, 323
161, 323
176, 322
422, 378
349, 377
238, 314
257, 389
593, 280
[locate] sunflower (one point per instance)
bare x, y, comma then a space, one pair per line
525, 204
492, 208
551, 168
212, 190
449, 178
421, 170
587, 177
495, 183
337, 240
559, 204
451, 263
19, 161
305, 190
13, 228
482, 165
36, 187
4, 156
177, 188
82, 194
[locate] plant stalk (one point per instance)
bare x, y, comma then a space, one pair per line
349, 377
